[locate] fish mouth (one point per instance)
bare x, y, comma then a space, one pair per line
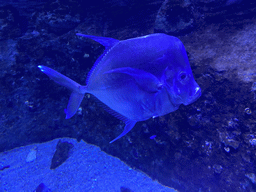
197, 93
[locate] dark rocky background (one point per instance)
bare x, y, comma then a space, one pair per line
209, 145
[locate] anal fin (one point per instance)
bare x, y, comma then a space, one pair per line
128, 126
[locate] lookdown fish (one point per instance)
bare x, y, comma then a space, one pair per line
136, 79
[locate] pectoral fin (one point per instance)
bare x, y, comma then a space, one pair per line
146, 81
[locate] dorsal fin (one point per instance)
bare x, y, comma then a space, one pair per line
107, 42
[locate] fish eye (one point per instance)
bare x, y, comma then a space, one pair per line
183, 76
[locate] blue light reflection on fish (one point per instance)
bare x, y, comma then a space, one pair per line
137, 78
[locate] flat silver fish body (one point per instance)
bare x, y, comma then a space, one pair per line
137, 79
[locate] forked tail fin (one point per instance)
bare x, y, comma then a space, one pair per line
77, 94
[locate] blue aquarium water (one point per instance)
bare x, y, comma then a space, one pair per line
158, 95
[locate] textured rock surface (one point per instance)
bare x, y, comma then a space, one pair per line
207, 146
87, 169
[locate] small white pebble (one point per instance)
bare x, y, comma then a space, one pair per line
253, 141
86, 55
31, 155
